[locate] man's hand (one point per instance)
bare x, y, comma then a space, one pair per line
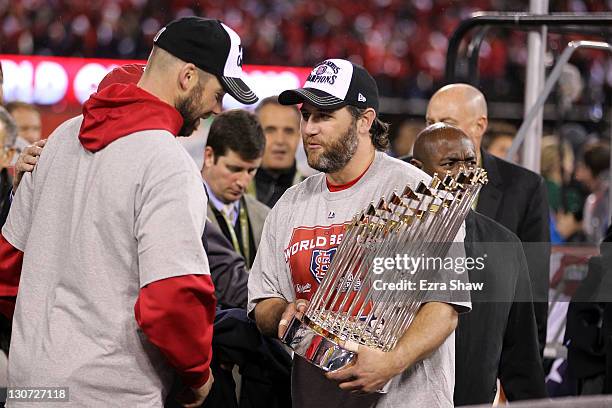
370, 372
27, 160
433, 323
294, 308
193, 398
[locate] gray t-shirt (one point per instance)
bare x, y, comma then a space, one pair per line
299, 238
94, 229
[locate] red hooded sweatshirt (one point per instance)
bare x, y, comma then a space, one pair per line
177, 313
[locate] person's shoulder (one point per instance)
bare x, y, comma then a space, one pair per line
299, 192
491, 230
393, 167
254, 204
67, 129
160, 147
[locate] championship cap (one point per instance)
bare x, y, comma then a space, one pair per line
335, 83
211, 46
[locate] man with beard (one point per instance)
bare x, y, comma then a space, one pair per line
501, 328
345, 140
104, 236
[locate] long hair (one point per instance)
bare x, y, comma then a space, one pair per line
379, 132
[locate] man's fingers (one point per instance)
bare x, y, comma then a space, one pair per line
282, 327
354, 386
40, 143
23, 167
301, 305
32, 151
344, 374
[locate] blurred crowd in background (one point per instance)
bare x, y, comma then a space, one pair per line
401, 42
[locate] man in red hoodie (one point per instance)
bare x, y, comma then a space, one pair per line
104, 236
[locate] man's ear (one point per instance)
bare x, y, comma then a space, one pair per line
481, 124
188, 77
416, 163
364, 123
209, 157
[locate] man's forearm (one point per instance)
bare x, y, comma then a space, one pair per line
431, 326
268, 313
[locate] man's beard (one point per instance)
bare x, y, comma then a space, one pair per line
188, 108
337, 153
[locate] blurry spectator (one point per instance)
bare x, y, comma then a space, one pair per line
593, 172
278, 172
403, 141
8, 134
28, 123
234, 149
564, 198
498, 139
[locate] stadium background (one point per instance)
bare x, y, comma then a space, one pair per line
402, 43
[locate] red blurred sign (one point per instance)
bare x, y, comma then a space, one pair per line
54, 80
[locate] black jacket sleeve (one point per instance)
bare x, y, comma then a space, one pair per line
520, 367
227, 269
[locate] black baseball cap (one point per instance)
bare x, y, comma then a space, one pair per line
335, 83
211, 46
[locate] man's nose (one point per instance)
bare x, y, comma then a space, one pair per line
309, 127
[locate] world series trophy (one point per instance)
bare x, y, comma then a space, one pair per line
346, 310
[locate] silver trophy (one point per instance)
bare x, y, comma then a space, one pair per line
346, 310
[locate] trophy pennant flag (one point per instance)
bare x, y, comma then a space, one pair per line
346, 310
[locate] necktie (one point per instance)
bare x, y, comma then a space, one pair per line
229, 210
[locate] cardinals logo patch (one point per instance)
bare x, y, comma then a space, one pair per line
320, 262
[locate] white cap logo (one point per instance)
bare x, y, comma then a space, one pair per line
332, 76
361, 98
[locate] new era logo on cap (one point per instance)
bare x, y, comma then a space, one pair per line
211, 46
334, 83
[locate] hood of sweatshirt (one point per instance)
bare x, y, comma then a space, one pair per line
122, 109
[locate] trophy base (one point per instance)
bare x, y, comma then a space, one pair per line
316, 345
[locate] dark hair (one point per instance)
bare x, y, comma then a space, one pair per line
379, 132
239, 131
596, 157
273, 100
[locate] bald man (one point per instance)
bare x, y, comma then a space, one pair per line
515, 197
501, 328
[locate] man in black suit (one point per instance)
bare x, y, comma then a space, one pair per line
515, 197
498, 338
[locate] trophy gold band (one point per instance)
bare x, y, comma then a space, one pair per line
346, 310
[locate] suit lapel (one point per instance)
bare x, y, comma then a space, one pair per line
254, 220
211, 215
491, 195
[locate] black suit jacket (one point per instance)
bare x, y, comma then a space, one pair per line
516, 198
498, 338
